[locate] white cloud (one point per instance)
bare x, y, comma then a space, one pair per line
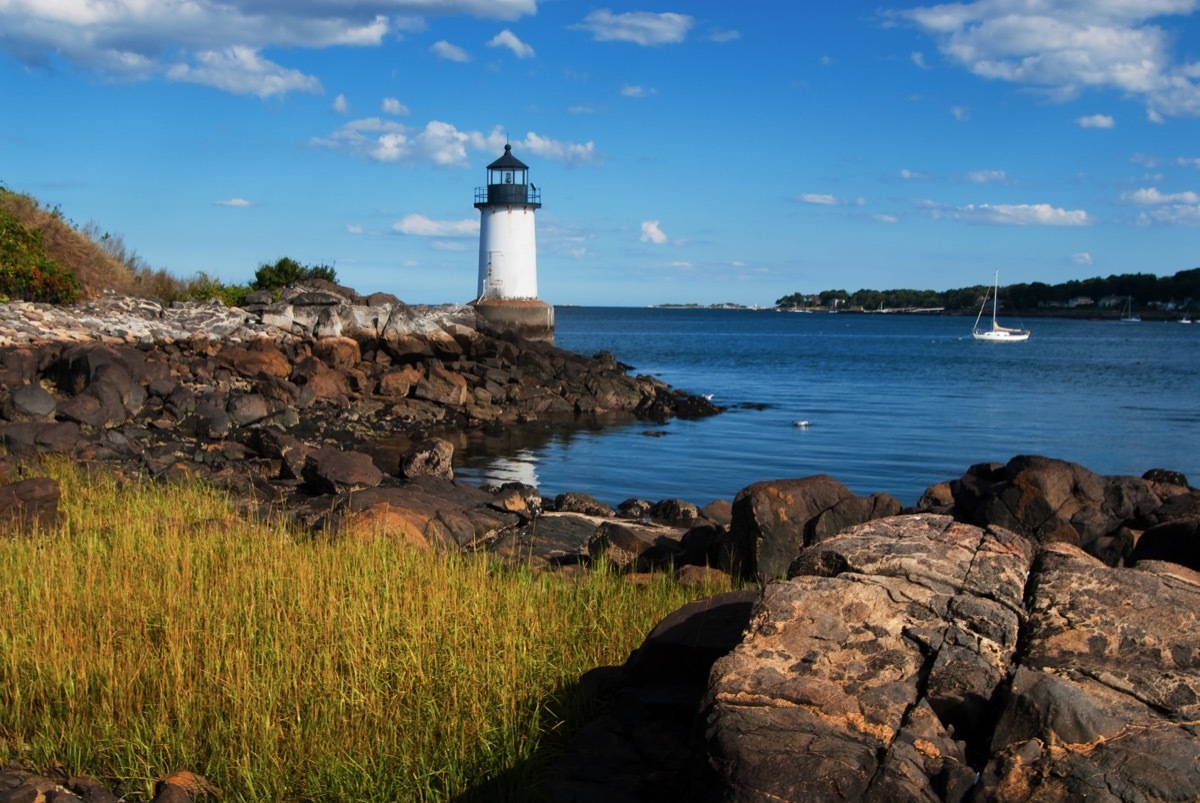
242, 71
341, 105
918, 58
1064, 48
1172, 215
651, 233
386, 141
441, 144
240, 203
724, 36
216, 42
570, 154
960, 113
354, 228
1096, 121
1173, 209
1082, 258
634, 91
817, 198
444, 50
887, 218
507, 38
394, 107
1010, 214
907, 174
639, 27
987, 177
417, 225
1150, 196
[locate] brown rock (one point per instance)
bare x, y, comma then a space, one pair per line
773, 521
261, 358
30, 504
339, 353
442, 386
399, 382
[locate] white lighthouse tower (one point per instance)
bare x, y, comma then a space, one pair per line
507, 292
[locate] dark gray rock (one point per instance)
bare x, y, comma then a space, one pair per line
630, 546
432, 457
30, 403
330, 470
582, 503
1176, 541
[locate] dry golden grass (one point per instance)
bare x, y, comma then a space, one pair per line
156, 630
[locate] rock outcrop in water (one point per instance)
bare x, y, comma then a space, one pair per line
317, 395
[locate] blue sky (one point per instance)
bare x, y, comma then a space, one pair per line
686, 151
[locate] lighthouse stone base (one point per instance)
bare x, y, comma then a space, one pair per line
530, 318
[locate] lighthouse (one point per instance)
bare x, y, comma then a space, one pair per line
507, 291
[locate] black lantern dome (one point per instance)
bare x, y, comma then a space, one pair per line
508, 184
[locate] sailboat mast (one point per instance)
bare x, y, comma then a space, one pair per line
996, 299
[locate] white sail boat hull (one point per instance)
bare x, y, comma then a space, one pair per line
1003, 336
998, 333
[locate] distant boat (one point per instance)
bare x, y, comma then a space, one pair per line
1127, 316
1185, 319
997, 333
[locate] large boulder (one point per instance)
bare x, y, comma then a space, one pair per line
640, 749
1175, 541
332, 470
868, 675
1053, 500
773, 521
434, 512
1104, 704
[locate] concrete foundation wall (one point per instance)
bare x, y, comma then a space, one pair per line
530, 318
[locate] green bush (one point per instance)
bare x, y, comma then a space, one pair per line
287, 272
203, 287
26, 272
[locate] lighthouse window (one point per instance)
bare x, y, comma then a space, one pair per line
508, 178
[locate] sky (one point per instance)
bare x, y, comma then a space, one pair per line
687, 152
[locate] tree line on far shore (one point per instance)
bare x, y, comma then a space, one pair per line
1178, 292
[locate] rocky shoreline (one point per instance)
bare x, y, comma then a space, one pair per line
1025, 632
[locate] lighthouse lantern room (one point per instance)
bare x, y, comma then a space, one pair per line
507, 290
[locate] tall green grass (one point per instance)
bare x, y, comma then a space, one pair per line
158, 630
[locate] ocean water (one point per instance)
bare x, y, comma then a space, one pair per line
893, 403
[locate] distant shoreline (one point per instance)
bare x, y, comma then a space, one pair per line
1148, 315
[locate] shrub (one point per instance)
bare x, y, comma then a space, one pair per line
287, 272
26, 272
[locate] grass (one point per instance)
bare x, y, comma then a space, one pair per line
156, 630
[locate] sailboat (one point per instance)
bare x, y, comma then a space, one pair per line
1128, 315
997, 333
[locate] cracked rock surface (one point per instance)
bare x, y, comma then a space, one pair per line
920, 658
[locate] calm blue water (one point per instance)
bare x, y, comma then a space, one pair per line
894, 403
